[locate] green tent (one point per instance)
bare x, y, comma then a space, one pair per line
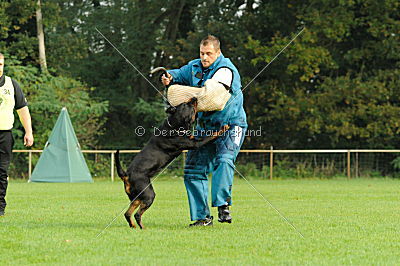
62, 160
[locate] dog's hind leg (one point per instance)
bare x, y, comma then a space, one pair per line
128, 214
139, 213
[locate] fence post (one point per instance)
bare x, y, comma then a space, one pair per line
271, 162
348, 165
112, 166
356, 166
30, 165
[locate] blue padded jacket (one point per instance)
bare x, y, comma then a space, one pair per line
193, 74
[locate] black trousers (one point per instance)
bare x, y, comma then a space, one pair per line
6, 144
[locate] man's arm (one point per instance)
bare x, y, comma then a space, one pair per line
177, 76
25, 118
224, 76
21, 105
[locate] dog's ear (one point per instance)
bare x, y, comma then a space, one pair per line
170, 110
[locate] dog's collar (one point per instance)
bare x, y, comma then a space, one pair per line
179, 132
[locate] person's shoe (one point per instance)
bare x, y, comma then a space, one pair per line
205, 222
1, 212
224, 215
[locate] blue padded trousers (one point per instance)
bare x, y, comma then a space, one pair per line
217, 158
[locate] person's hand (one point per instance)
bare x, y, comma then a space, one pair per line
28, 139
166, 80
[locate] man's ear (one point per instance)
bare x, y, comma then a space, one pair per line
170, 110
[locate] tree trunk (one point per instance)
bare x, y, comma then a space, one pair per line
40, 36
171, 29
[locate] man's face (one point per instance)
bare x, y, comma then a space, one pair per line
208, 54
1, 66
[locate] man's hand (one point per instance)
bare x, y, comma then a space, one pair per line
28, 139
166, 80
25, 118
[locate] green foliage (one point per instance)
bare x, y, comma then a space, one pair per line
396, 163
150, 113
47, 94
18, 29
283, 169
335, 86
251, 170
99, 165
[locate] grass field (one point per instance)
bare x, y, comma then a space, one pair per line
343, 221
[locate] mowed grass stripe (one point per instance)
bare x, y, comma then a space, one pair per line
343, 221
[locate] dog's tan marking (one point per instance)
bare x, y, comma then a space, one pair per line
131, 209
195, 109
127, 186
138, 216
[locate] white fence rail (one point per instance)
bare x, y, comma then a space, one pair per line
271, 153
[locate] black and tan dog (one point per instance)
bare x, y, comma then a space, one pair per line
162, 148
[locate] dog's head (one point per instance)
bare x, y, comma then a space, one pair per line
183, 115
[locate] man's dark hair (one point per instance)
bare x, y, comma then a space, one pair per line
211, 39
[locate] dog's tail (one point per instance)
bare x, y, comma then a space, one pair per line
121, 173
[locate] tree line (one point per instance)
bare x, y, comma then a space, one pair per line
335, 86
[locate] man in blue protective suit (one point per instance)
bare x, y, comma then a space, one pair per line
217, 158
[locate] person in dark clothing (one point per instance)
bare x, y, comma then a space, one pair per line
11, 97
